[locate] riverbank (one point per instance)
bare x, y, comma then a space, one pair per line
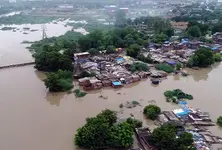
61, 114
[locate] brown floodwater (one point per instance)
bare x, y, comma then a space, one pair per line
34, 119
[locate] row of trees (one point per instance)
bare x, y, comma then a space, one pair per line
103, 131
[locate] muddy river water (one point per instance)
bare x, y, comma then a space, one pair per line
33, 119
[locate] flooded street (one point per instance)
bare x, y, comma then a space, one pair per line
33, 119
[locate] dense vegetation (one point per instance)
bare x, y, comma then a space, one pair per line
165, 67
219, 121
151, 111
167, 137
203, 57
176, 95
51, 60
103, 131
25, 19
59, 81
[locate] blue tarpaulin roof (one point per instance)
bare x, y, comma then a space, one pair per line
120, 59
116, 83
214, 48
182, 102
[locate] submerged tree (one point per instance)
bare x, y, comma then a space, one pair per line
152, 111
219, 121
203, 57
59, 81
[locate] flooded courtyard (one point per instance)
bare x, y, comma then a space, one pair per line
32, 118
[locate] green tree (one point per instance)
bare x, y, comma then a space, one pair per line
121, 135
152, 111
194, 31
219, 121
133, 50
84, 43
217, 57
102, 132
96, 37
166, 137
59, 82
159, 38
169, 32
48, 60
94, 135
217, 27
134, 122
203, 57
93, 51
110, 49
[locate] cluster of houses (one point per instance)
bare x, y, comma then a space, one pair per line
184, 119
196, 120
109, 70
173, 52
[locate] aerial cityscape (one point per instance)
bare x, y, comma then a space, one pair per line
111, 74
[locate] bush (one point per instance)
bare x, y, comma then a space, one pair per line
59, 81
178, 66
134, 122
176, 94
138, 67
144, 59
165, 67
217, 57
219, 121
79, 93
151, 111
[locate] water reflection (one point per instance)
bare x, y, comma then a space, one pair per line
41, 75
176, 77
54, 98
201, 74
